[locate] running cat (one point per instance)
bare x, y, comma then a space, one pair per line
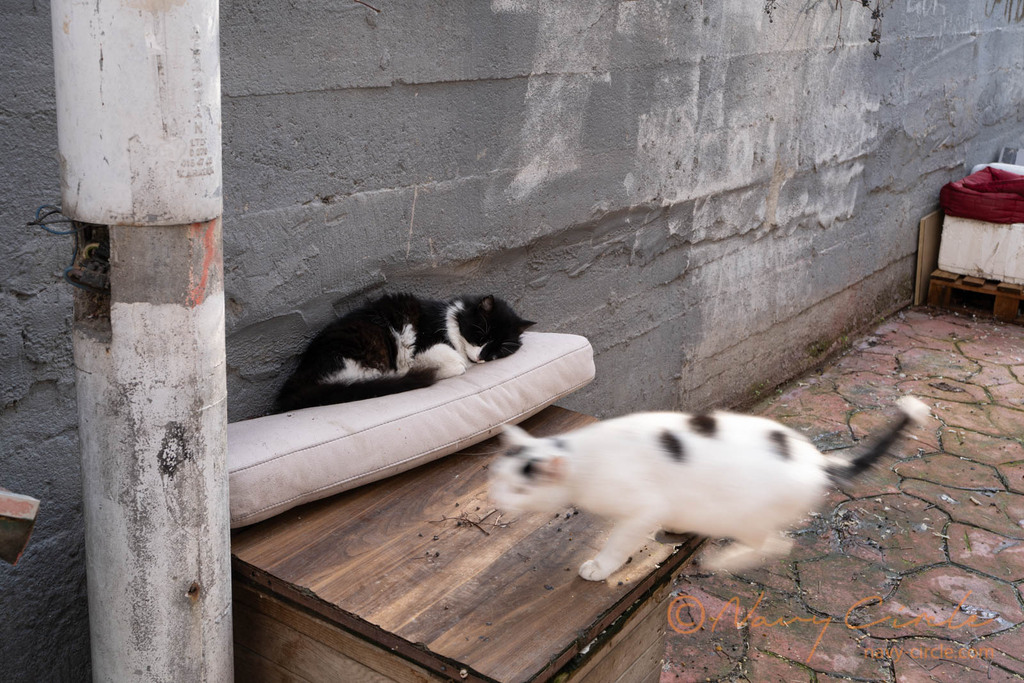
720, 475
400, 342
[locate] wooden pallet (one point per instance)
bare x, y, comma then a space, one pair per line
1005, 296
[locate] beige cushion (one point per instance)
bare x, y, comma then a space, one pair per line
280, 461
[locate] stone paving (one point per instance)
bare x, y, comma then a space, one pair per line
913, 573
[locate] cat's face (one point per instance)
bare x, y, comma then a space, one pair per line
530, 475
491, 328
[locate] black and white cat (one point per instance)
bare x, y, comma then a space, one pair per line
719, 475
400, 342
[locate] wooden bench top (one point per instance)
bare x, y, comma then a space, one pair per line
423, 565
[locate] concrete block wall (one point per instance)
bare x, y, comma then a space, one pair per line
44, 634
713, 198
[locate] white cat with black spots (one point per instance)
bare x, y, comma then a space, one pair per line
721, 475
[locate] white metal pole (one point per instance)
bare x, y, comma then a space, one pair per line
138, 117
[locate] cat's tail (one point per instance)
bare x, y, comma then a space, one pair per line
314, 394
912, 411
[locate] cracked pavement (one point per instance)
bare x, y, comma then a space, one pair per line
915, 571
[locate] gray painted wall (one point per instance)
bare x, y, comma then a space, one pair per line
710, 197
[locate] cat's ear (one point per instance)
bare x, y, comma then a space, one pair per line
525, 324
512, 436
486, 304
553, 469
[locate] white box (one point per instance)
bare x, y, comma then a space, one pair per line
994, 251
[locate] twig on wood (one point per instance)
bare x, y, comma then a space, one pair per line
478, 523
467, 520
489, 514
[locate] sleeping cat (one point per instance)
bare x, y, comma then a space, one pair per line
719, 475
397, 343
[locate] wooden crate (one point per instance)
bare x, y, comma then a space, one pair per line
415, 579
1001, 299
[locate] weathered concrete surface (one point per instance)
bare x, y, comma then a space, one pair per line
712, 198
42, 600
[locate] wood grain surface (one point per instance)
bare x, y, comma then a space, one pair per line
422, 564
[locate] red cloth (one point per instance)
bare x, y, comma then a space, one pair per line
991, 195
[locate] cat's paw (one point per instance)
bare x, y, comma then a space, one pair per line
592, 571
451, 370
737, 556
731, 559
